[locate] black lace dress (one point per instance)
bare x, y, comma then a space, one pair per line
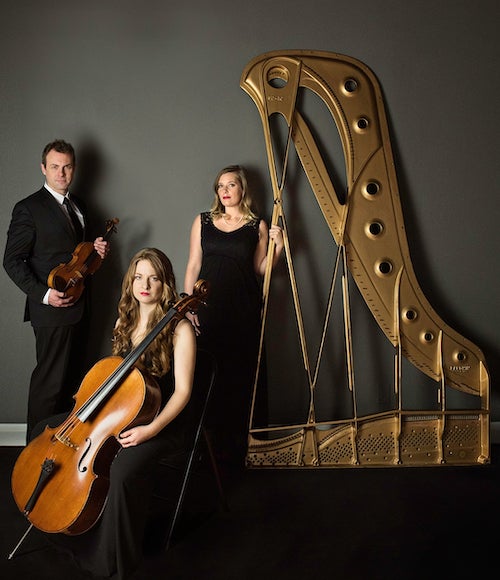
230, 328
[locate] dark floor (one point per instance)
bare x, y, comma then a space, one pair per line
347, 523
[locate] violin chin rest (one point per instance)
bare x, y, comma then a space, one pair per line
59, 283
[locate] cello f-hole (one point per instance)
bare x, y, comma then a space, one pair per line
83, 468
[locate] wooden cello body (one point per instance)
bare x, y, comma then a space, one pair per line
75, 457
60, 480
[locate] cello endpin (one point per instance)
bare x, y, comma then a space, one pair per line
20, 542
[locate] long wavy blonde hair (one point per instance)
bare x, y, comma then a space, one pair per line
157, 357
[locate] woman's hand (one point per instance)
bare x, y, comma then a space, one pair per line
193, 319
135, 436
276, 234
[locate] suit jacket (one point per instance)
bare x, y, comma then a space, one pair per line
40, 238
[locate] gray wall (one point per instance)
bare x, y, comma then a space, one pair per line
149, 94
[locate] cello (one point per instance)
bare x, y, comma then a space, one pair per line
69, 278
68, 492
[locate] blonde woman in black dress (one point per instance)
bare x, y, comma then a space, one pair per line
228, 248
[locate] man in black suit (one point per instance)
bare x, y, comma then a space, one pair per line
43, 233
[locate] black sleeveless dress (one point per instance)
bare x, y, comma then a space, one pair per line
230, 328
114, 546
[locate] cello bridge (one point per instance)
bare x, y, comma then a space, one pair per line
67, 441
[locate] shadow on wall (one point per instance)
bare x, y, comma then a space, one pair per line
104, 284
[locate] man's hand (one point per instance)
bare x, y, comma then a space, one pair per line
101, 247
59, 300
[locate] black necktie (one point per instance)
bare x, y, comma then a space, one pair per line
77, 226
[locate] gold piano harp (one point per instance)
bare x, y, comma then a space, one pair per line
372, 250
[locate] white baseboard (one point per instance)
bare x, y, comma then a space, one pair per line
14, 434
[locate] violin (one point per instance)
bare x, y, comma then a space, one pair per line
69, 278
60, 480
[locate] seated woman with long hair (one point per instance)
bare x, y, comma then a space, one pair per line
113, 547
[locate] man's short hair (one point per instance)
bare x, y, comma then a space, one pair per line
60, 146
